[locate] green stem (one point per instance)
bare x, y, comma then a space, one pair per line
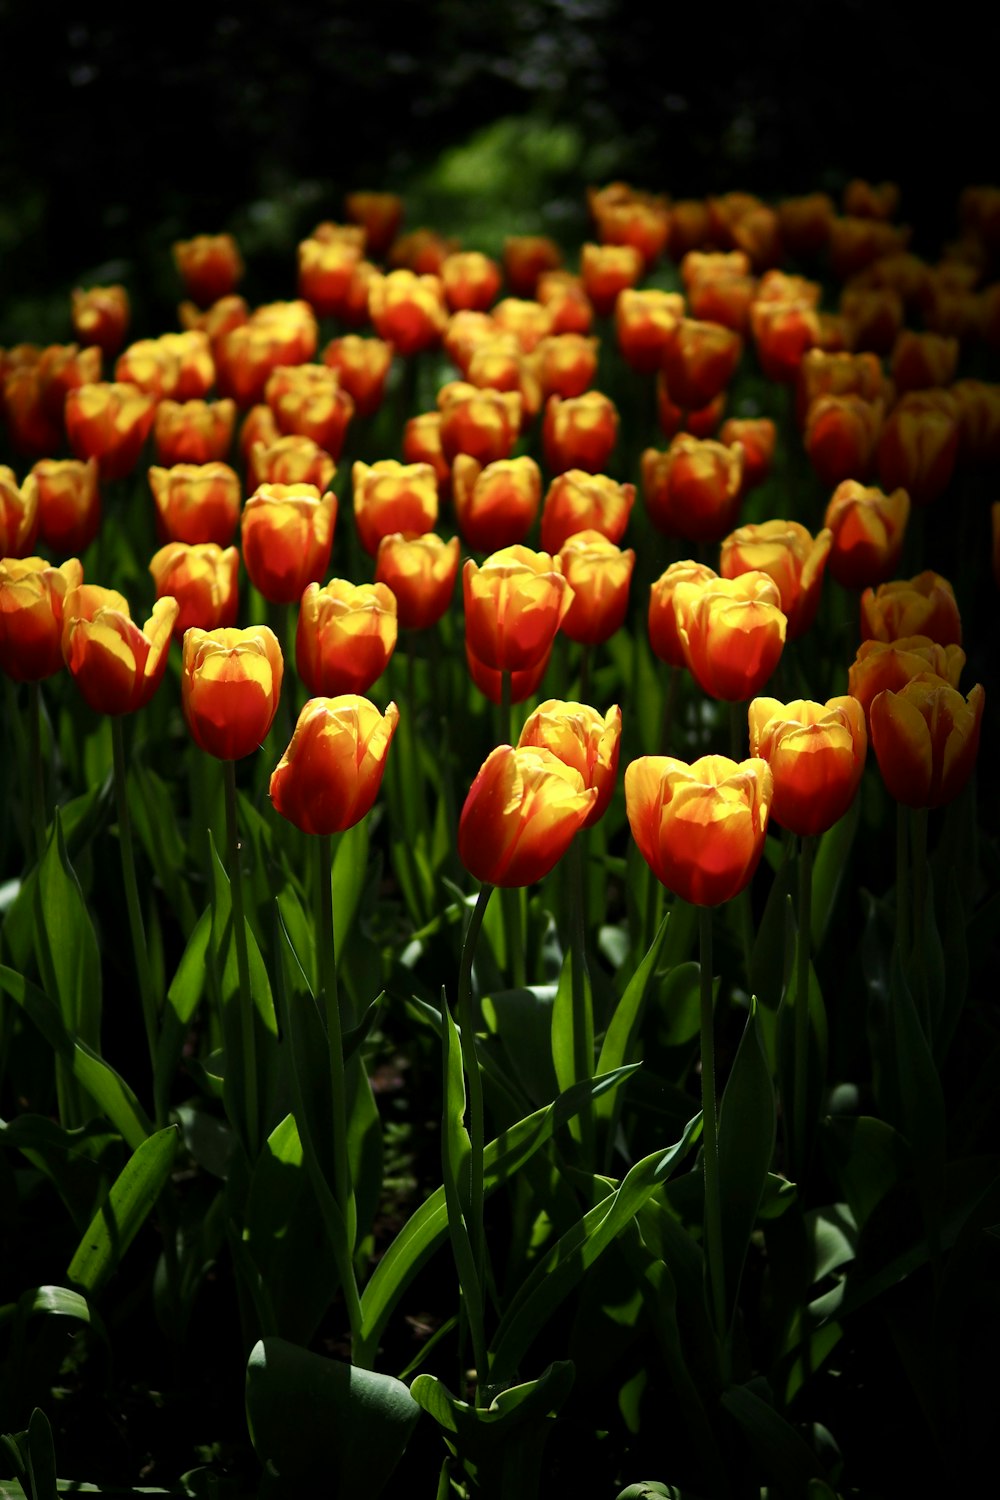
802, 953
477, 1128
327, 966
583, 1013
250, 1123
36, 769
710, 1128
132, 903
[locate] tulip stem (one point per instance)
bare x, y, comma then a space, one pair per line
710, 1127
802, 955
36, 770
249, 1046
477, 1127
132, 902
327, 955
582, 1006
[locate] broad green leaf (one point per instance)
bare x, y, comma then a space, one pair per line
66, 948
186, 989
746, 1146
522, 1022
152, 808
120, 1218
364, 1143
679, 1005
829, 868
311, 1416
921, 1100
623, 1031
784, 1456
816, 1055
79, 1163
350, 864
866, 1158
41, 1457
456, 1156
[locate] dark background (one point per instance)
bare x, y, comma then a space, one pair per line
117, 137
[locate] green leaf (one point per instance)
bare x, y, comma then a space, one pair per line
785, 1457
350, 864
41, 1457
66, 948
679, 1005
311, 1417
918, 1084
119, 1219
623, 1032
522, 1022
829, 867
186, 989
746, 1145
456, 1154
152, 808
866, 1158
79, 1163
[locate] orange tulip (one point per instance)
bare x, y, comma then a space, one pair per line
645, 322
699, 361
757, 437
837, 373
407, 310
599, 574
673, 419
564, 299
565, 364
663, 636
840, 437
345, 637
926, 739
579, 433
520, 816
193, 432
293, 459
100, 316
362, 365
230, 687
69, 503
325, 271
390, 496
784, 332
307, 400
881, 665
873, 316
33, 429
287, 533
693, 490
329, 777
483, 423
525, 258
855, 242
917, 449
578, 501
805, 222
514, 606
700, 828
978, 420
626, 216
196, 502
210, 266
582, 738
869, 200
606, 271
379, 213
722, 298
786, 552
732, 632
816, 752
495, 505
152, 366
31, 615
217, 320
281, 333
924, 605
203, 579
109, 423
116, 666
421, 572
868, 529
18, 513
470, 279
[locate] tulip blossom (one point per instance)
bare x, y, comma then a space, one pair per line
700, 828
562, 295
645, 322
362, 365
210, 266
495, 506
203, 579
380, 214
514, 605
109, 422
786, 552
881, 665
784, 332
565, 364
293, 459
470, 279
868, 528
422, 445
230, 687
579, 433
699, 361
100, 316
280, 333
924, 605
345, 637
578, 501
525, 259
757, 437
873, 316
529, 322
693, 490
329, 777
824, 373
152, 366
18, 513
193, 432
287, 534
840, 437
196, 502
673, 419
32, 592
581, 737
599, 574
421, 572
69, 503
307, 400
325, 271
608, 270
662, 619
116, 665
732, 632
816, 752
480, 422
389, 497
917, 449
407, 310
926, 739
520, 816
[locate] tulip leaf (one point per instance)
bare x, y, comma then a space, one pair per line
364, 1141
785, 1457
311, 1416
563, 1266
622, 1034
829, 868
522, 1024
746, 1146
679, 1005
350, 864
185, 992
954, 989
108, 1090
918, 1084
304, 1035
816, 1056
151, 806
456, 1160
866, 1158
79, 1163
118, 1220
66, 950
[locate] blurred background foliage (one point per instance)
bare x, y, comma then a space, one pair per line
119, 135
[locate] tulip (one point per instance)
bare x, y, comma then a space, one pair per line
525, 258
203, 579
116, 666
579, 433
287, 533
423, 252
528, 321
873, 316
732, 632
856, 242
293, 459
379, 213
282, 333
978, 420
824, 373
325, 271
565, 364
482, 423
917, 449
151, 366
210, 266
32, 592
663, 636
470, 279
421, 572
408, 311
345, 636
195, 363
699, 361
307, 400
881, 665
699, 827
725, 299
390, 496
18, 513
645, 322
805, 222
362, 365
217, 320
599, 574
624, 216
514, 605
69, 503
926, 738
564, 299
329, 777
786, 552
784, 332
196, 503
495, 506
193, 432
230, 686
608, 270
109, 422
258, 426
869, 200
840, 437
816, 752
101, 316
520, 816
673, 419
924, 605
578, 501
422, 445
582, 738
693, 490
757, 437
689, 226
521, 684
467, 330
868, 528
32, 428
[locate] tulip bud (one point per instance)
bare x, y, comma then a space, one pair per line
345, 636
816, 752
230, 687
32, 592
329, 777
520, 816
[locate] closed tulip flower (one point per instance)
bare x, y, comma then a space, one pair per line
757, 437
307, 400
514, 606
196, 502
69, 503
732, 631
18, 513
521, 815
421, 572
150, 365
816, 752
279, 333
292, 459
230, 687
31, 615
917, 449
578, 501
526, 257
924, 605
528, 321
362, 365
193, 432
116, 665
287, 532
700, 828
109, 422
329, 777
345, 637
495, 506
606, 271
390, 496
663, 636
325, 271
868, 528
210, 266
645, 322
693, 490
480, 422
581, 737
699, 361
599, 574
565, 364
101, 316
563, 296
890, 665
407, 310
579, 433
920, 360
786, 552
422, 445
203, 579
926, 739
784, 332
380, 214
840, 436
673, 419
837, 373
470, 279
